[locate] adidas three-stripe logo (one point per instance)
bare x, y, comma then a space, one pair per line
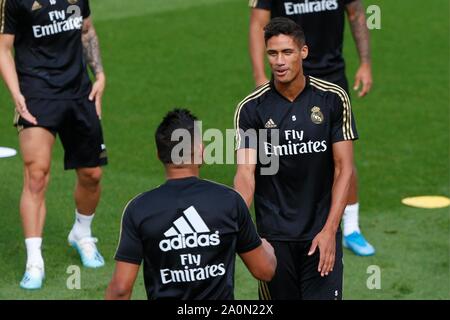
270, 124
189, 231
182, 226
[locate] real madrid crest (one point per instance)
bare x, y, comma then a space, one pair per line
72, 1
316, 115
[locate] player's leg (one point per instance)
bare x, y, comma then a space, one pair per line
313, 285
351, 213
36, 147
84, 151
87, 190
353, 237
285, 283
87, 196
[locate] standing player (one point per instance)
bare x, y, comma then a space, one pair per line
49, 83
187, 231
299, 208
323, 24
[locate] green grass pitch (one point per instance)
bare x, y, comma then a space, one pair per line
193, 53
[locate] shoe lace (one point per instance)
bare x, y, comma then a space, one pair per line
34, 268
88, 246
359, 239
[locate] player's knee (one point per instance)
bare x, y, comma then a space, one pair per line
90, 177
37, 178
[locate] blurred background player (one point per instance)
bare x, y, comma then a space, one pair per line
188, 230
323, 23
50, 86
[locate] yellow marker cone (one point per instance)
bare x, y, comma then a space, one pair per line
427, 202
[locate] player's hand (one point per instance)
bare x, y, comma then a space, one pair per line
326, 242
97, 92
22, 109
363, 77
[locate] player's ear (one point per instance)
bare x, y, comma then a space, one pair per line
201, 150
198, 153
304, 51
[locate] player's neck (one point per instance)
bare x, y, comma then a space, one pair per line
293, 89
173, 172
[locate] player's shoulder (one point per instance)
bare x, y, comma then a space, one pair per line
216, 186
219, 188
9, 3
22, 3
326, 88
18, 7
143, 198
255, 98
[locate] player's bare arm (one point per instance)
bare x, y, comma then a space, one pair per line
357, 19
91, 50
121, 285
244, 180
91, 47
9, 74
325, 241
258, 19
261, 261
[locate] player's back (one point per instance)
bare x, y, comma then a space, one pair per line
189, 233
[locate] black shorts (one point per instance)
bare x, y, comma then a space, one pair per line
296, 276
78, 126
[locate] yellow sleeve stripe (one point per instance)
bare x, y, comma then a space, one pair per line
255, 94
252, 3
2, 15
121, 221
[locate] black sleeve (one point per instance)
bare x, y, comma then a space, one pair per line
246, 127
248, 238
260, 4
343, 122
130, 247
9, 16
86, 9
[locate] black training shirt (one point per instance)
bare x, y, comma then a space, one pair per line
48, 49
187, 232
293, 203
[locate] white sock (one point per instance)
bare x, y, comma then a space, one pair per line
350, 219
82, 226
34, 254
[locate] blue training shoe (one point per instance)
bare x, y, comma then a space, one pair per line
358, 244
90, 257
33, 277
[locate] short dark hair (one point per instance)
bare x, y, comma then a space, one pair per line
175, 119
288, 27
